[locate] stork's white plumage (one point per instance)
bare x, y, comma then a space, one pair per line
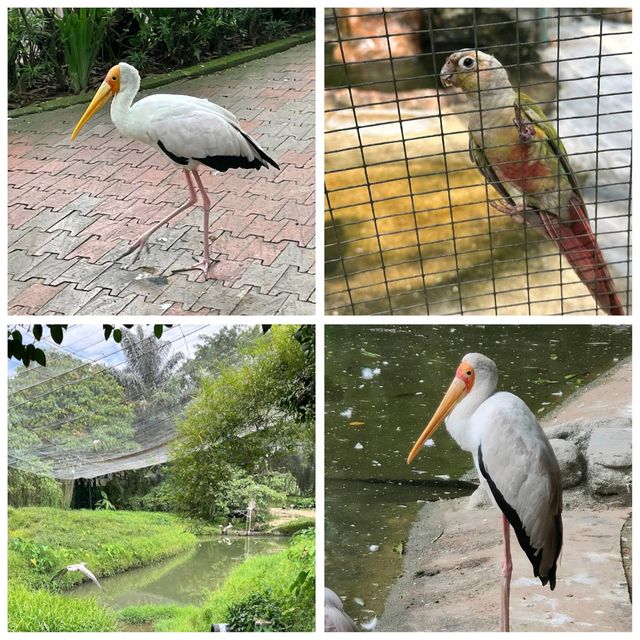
189, 131
515, 463
82, 568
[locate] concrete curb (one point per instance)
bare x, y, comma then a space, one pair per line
152, 82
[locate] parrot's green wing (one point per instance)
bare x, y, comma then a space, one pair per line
536, 115
480, 160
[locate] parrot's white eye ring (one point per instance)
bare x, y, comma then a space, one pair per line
467, 63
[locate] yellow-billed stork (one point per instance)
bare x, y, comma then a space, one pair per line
189, 131
515, 463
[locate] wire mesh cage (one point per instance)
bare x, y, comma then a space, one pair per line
412, 225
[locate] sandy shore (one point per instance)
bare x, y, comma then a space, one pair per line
451, 571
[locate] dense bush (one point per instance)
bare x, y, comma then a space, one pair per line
30, 490
52, 50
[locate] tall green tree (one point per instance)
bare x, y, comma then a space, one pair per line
241, 420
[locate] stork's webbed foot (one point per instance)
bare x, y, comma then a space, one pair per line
140, 244
203, 265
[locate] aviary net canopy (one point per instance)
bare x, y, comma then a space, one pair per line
99, 407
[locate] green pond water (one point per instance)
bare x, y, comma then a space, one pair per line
382, 384
184, 579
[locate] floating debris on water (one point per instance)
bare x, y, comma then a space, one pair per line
347, 413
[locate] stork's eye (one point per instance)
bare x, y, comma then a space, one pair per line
468, 373
467, 63
114, 77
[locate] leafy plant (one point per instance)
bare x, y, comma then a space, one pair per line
258, 611
82, 33
104, 503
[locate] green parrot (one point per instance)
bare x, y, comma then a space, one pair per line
520, 154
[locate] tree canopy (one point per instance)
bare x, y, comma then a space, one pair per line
241, 420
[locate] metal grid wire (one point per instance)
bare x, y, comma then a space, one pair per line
409, 228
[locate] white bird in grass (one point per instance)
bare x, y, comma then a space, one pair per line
515, 463
189, 131
82, 568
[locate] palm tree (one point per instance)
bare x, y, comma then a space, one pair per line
149, 363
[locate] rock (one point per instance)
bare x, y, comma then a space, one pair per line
569, 460
608, 459
479, 499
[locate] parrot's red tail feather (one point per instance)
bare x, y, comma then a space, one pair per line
580, 248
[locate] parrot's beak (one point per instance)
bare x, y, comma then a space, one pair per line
447, 73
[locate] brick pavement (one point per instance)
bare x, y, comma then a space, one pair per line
73, 208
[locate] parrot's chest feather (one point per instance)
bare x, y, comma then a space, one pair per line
522, 164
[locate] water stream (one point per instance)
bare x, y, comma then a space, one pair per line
184, 579
382, 384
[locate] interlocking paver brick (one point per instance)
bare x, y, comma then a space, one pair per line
35, 296
69, 301
75, 208
302, 284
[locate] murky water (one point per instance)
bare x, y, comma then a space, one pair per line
382, 384
184, 579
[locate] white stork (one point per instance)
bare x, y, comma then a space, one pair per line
515, 463
189, 131
82, 568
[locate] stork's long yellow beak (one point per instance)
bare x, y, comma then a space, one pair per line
103, 94
456, 391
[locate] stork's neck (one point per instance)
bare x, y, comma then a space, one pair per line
121, 105
459, 422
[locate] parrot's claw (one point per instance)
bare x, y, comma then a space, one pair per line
525, 129
516, 212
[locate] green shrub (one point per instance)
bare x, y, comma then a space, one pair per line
160, 498
298, 502
286, 579
258, 607
40, 610
30, 490
293, 526
82, 33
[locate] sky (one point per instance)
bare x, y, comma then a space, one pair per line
87, 342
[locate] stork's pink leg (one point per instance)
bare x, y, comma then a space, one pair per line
205, 263
141, 242
506, 576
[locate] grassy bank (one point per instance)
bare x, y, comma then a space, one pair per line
44, 540
277, 587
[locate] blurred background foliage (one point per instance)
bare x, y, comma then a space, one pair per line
54, 51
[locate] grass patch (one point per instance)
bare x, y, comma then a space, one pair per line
40, 610
42, 540
148, 613
268, 579
293, 526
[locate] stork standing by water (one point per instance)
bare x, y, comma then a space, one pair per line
515, 463
189, 131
